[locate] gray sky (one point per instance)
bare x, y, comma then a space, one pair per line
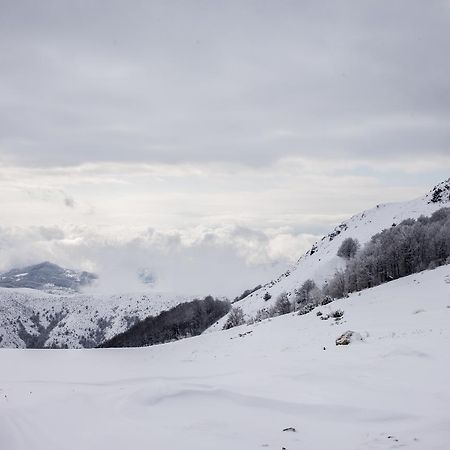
218, 135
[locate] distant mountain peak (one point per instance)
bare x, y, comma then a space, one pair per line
46, 276
45, 264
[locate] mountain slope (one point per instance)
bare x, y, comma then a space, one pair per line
46, 277
250, 383
59, 318
321, 261
36, 319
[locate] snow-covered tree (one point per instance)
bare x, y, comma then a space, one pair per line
409, 247
282, 305
348, 248
308, 293
235, 318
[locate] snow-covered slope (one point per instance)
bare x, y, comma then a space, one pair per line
32, 318
239, 389
321, 261
47, 277
36, 319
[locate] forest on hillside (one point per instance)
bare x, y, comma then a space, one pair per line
184, 320
406, 248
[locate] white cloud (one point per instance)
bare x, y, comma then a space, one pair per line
221, 261
202, 228
236, 132
238, 82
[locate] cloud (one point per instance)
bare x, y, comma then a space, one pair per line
46, 195
241, 82
69, 201
211, 138
221, 261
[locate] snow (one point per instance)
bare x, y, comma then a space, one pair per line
83, 320
72, 319
238, 389
321, 264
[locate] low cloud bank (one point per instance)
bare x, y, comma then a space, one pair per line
217, 260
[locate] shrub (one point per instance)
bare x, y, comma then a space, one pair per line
235, 318
261, 314
308, 293
306, 309
246, 293
282, 305
338, 314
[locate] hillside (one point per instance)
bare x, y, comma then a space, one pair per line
321, 261
35, 319
248, 384
184, 320
54, 315
47, 277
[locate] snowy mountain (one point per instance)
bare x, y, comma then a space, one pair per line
36, 319
321, 261
280, 383
46, 277
41, 306
62, 318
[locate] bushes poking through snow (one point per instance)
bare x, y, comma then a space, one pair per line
338, 314
235, 318
403, 249
281, 306
261, 314
307, 297
308, 293
246, 293
305, 309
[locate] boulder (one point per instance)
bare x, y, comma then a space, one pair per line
348, 337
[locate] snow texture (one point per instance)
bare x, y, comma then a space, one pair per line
239, 389
36, 319
321, 261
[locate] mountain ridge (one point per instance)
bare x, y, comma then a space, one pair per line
31, 317
320, 262
48, 277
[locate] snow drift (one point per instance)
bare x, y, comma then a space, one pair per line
239, 389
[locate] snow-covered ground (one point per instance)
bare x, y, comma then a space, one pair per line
320, 263
33, 318
73, 320
239, 389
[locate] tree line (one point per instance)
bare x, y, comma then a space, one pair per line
404, 249
184, 320
409, 247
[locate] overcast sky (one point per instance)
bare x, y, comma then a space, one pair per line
212, 142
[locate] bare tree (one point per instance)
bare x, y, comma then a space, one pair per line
348, 248
235, 318
282, 305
